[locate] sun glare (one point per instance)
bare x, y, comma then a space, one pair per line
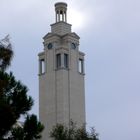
76, 19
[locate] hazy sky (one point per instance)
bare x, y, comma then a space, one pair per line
110, 37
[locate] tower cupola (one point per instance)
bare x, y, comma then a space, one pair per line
60, 27
61, 11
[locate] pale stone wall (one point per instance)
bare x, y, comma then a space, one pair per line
61, 28
61, 90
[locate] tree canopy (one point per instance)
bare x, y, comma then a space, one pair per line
72, 132
14, 102
6, 53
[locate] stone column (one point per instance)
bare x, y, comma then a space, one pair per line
62, 60
58, 15
65, 16
40, 67
62, 15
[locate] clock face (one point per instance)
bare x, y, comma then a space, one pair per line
50, 46
73, 45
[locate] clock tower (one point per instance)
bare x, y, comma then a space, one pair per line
61, 75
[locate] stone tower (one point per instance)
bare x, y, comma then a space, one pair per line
61, 75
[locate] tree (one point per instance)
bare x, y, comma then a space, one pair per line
30, 130
72, 132
6, 53
14, 101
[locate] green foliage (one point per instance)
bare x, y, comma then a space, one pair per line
14, 93
30, 131
59, 132
72, 132
32, 128
7, 118
17, 133
15, 102
6, 53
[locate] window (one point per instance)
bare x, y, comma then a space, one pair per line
73, 45
61, 15
81, 65
58, 60
66, 61
42, 66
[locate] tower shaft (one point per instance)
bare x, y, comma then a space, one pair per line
61, 76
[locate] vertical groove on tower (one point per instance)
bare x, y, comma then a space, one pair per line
55, 88
69, 96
